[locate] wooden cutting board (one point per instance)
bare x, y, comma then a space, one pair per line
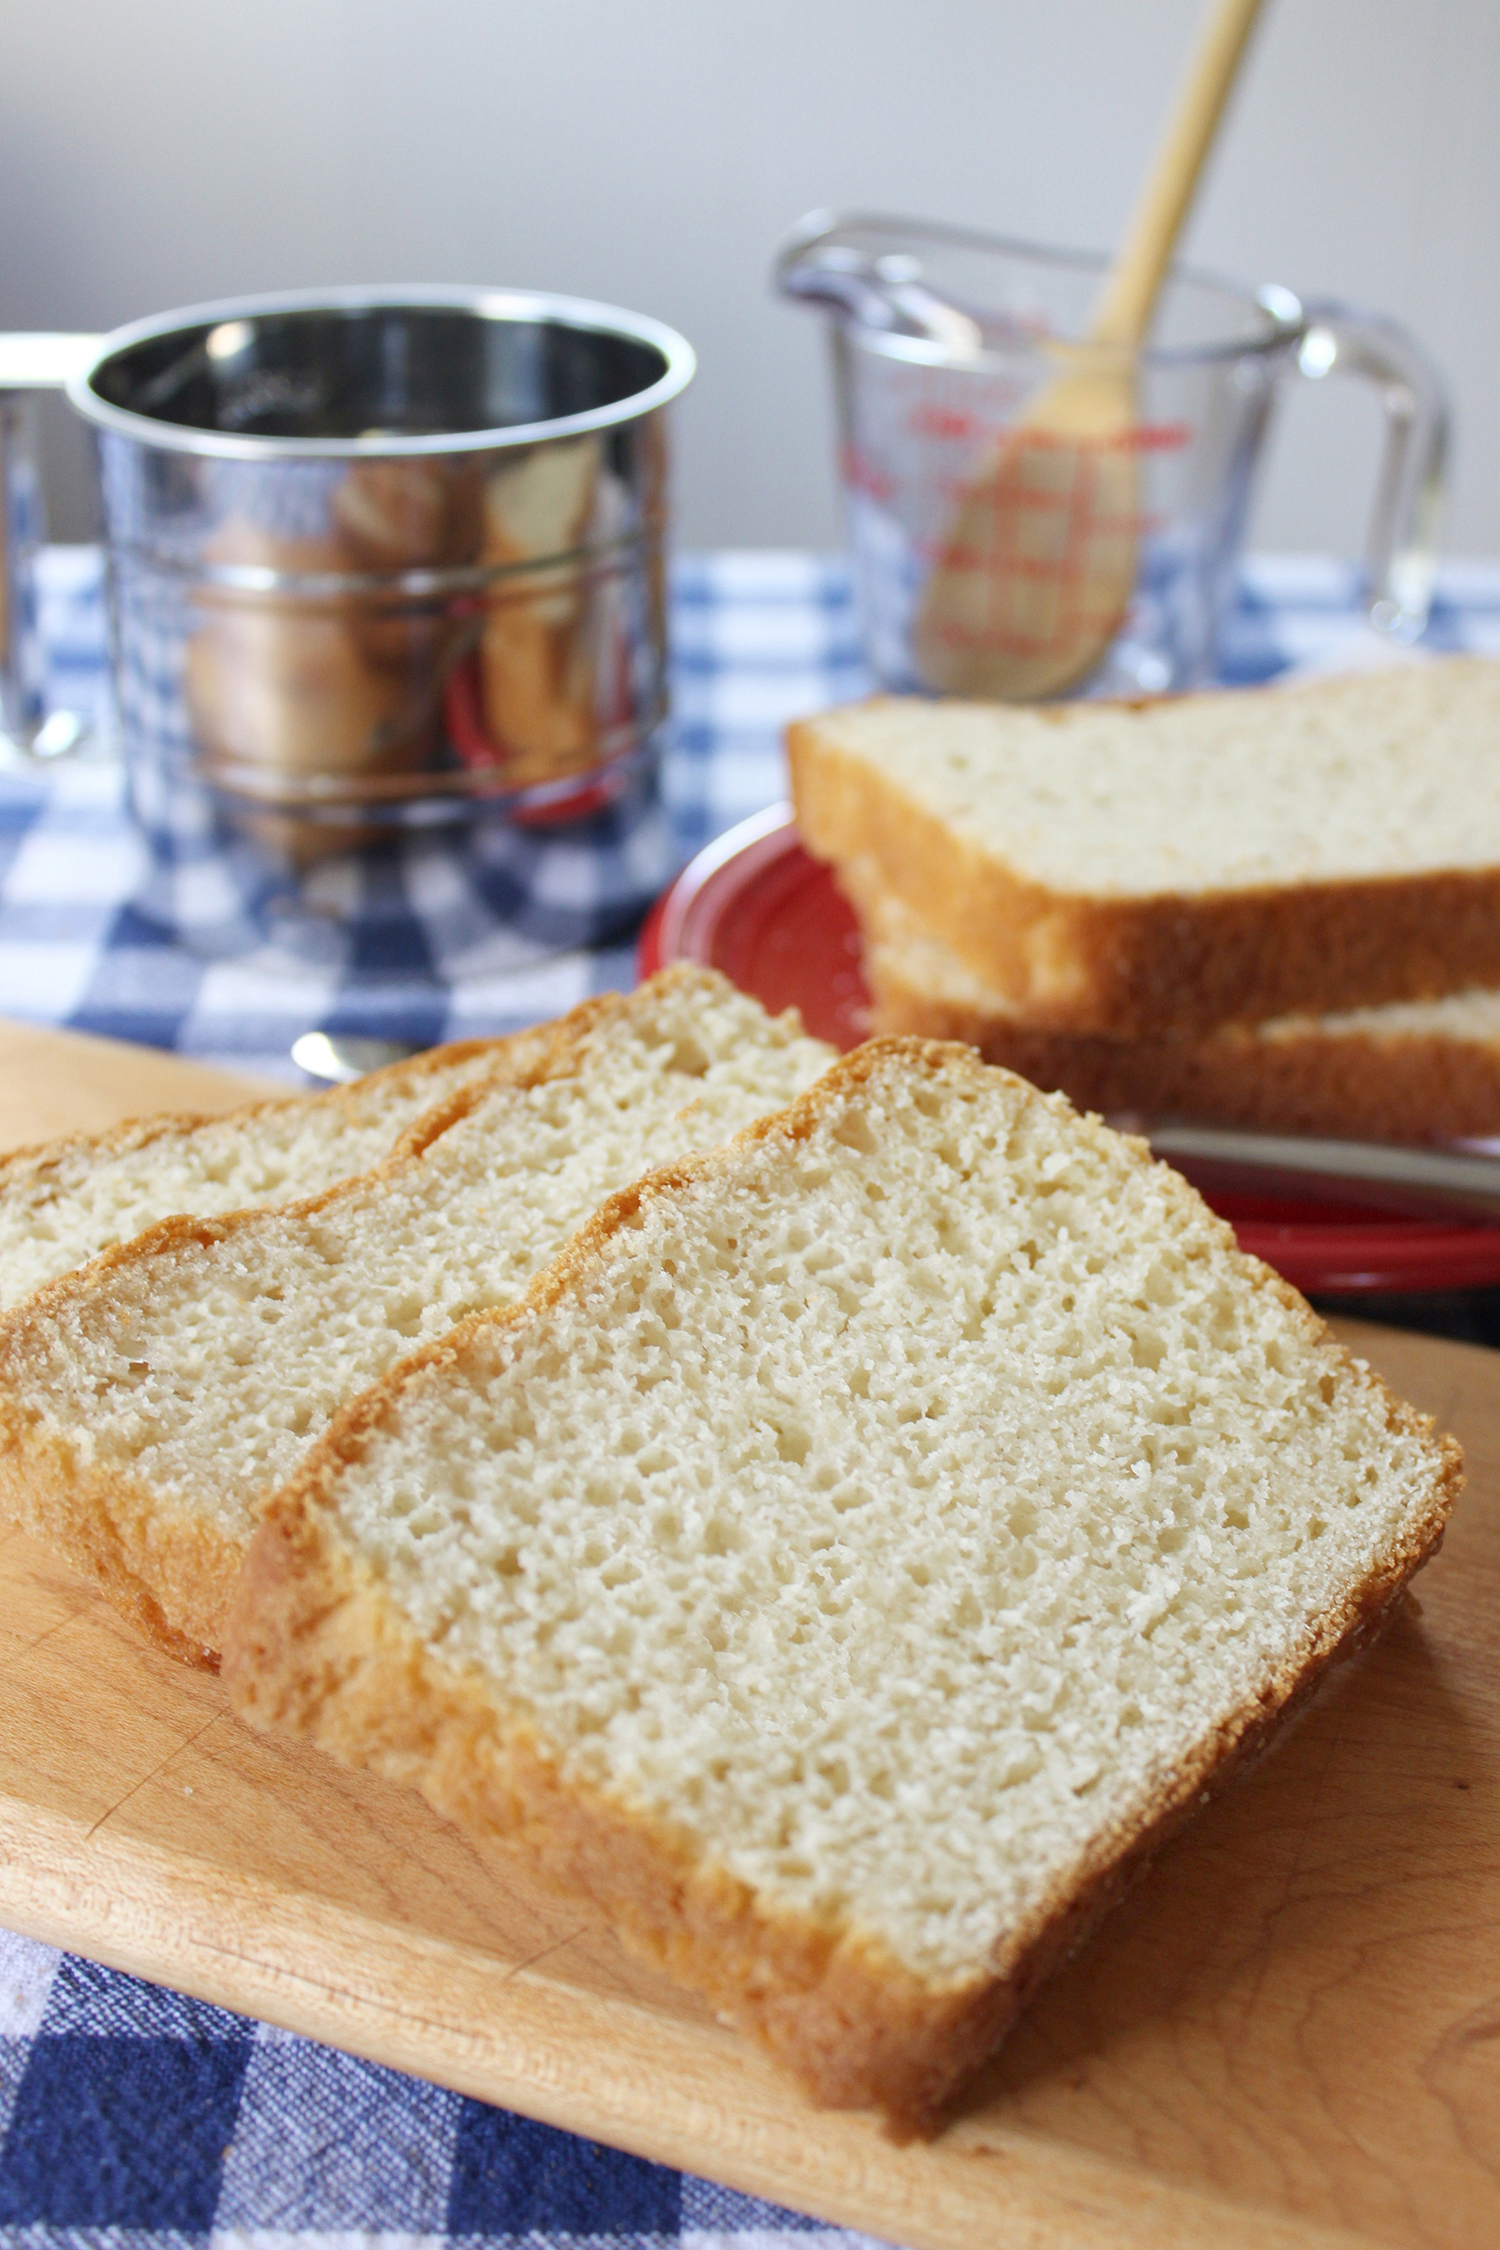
55, 1082
1289, 2035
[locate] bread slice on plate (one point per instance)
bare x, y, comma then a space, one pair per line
1139, 869
149, 1400
63, 1203
1413, 1070
851, 1558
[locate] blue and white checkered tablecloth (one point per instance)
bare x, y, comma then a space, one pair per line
133, 2118
758, 639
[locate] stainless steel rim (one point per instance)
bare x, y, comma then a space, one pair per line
486, 304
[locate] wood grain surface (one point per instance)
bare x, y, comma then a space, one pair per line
1288, 2035
54, 1082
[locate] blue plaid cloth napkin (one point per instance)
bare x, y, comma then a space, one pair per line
136, 2119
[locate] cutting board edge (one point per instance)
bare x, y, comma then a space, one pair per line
128, 1911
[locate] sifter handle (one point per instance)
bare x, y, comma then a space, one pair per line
42, 361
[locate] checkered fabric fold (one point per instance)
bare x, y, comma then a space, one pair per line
134, 2118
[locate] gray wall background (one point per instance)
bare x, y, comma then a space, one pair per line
654, 154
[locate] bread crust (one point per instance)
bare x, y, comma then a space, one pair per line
169, 1573
315, 1645
1406, 1086
133, 1133
1178, 962
163, 1568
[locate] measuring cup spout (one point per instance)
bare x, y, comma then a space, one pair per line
864, 272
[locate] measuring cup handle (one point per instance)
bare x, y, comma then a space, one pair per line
29, 363
1401, 544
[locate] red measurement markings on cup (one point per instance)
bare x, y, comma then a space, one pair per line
1156, 437
1044, 561
861, 474
948, 424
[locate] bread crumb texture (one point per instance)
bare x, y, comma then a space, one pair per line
66, 1203
896, 1507
197, 1366
1380, 774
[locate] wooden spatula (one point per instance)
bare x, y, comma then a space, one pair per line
1038, 566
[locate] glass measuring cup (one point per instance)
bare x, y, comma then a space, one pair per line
941, 337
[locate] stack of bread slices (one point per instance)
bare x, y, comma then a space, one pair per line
838, 1515
1275, 908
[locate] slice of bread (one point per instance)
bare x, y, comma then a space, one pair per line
1139, 869
852, 1557
1413, 1070
63, 1203
150, 1399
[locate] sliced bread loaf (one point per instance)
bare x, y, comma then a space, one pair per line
1413, 1070
63, 1203
149, 1400
1134, 869
854, 1554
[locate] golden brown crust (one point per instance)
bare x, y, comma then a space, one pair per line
315, 1646
169, 1575
1124, 967
169, 1572
164, 1568
1407, 1086
139, 1132
118, 1140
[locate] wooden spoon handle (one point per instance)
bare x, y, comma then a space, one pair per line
1124, 309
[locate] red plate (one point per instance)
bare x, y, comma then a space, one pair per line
756, 906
